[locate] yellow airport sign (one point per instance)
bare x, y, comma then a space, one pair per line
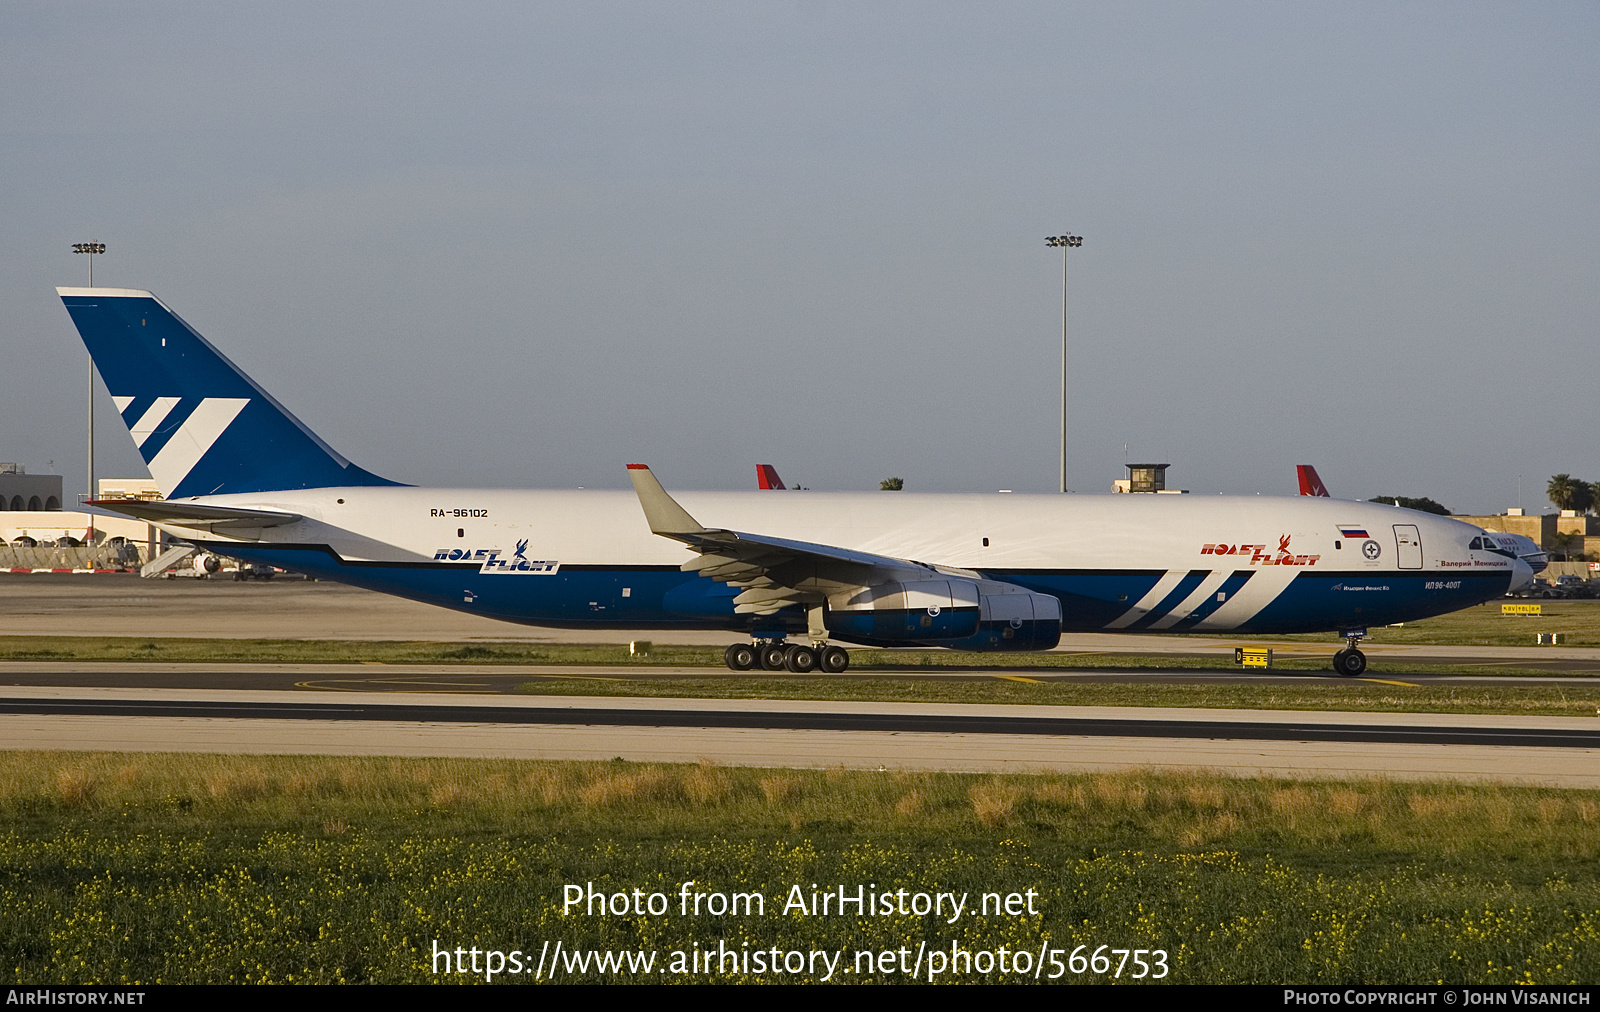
1522, 609
1253, 657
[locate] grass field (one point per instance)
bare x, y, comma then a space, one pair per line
1579, 699
1484, 625
148, 868
184, 868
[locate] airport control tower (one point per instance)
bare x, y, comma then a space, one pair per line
1148, 478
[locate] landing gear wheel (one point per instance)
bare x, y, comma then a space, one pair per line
833, 660
771, 656
740, 656
800, 658
1350, 663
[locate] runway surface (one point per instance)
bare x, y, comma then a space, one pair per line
630, 713
1551, 751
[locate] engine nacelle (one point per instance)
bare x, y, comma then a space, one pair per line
921, 611
963, 614
1013, 618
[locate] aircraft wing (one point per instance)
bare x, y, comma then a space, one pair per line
194, 516
773, 572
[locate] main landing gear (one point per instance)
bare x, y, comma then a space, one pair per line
1350, 661
775, 655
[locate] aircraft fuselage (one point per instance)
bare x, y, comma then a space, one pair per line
1134, 563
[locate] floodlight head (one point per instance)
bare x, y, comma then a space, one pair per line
88, 247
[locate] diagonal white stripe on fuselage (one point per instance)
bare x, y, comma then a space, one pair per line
200, 430
153, 416
1207, 587
1164, 586
1262, 589
121, 403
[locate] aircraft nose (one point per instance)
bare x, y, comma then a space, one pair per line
1521, 575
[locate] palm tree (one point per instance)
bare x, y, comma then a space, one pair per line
1563, 547
1561, 491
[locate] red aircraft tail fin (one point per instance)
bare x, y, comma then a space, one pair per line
767, 477
1310, 484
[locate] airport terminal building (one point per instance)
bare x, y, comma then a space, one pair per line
21, 491
31, 513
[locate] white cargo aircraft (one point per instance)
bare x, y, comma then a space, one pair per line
242, 477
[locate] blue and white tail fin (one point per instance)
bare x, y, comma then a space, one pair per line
203, 427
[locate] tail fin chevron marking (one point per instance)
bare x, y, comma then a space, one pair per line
200, 431
150, 419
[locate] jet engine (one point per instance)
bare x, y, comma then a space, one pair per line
966, 614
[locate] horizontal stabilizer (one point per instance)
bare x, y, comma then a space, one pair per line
194, 516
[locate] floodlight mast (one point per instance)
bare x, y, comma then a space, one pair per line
1065, 242
93, 249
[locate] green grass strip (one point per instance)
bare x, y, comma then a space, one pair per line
1580, 700
234, 651
1485, 625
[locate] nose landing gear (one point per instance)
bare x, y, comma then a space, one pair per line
1350, 661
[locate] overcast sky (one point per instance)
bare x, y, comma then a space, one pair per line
526, 244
